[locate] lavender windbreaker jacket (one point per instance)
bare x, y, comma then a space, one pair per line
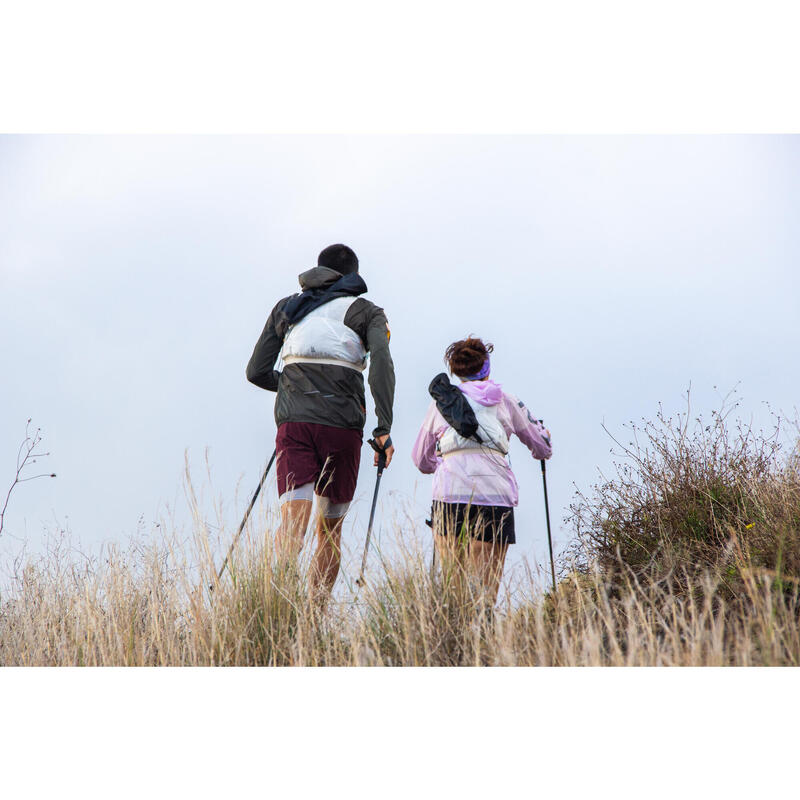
481, 477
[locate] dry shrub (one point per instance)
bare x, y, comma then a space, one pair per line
693, 497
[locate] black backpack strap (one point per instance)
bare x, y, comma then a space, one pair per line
453, 406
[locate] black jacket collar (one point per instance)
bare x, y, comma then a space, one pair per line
321, 285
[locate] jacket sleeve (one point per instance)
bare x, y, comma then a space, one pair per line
260, 367
381, 371
530, 431
423, 453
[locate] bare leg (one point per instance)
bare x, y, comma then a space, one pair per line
327, 558
452, 555
450, 543
486, 561
449, 551
292, 530
443, 550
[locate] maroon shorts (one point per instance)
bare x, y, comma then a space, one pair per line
319, 454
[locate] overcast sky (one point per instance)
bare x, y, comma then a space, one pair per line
136, 274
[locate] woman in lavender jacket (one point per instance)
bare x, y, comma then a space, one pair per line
474, 489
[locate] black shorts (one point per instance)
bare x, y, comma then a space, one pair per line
484, 523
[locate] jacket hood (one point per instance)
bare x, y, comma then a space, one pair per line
318, 278
487, 393
325, 277
321, 285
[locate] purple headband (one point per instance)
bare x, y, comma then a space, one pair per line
484, 373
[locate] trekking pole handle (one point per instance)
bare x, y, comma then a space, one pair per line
546, 438
381, 451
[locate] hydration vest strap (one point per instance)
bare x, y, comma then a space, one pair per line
336, 362
477, 449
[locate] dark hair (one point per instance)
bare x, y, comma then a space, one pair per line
339, 257
466, 357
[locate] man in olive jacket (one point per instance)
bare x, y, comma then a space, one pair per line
323, 336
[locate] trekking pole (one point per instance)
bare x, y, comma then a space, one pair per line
246, 516
547, 513
381, 451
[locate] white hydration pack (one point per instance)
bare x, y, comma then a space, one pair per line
493, 435
321, 337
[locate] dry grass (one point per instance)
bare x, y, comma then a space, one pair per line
690, 556
138, 608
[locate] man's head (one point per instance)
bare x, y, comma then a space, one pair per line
339, 257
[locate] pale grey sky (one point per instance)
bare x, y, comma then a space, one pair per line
610, 272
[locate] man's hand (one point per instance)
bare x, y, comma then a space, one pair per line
381, 440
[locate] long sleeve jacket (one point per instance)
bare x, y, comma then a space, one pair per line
327, 393
480, 476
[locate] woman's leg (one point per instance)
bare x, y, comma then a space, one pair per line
451, 548
486, 560
449, 553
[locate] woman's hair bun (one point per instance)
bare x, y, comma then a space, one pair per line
466, 357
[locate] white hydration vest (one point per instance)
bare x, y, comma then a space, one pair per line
493, 435
321, 337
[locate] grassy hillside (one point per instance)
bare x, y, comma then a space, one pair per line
688, 555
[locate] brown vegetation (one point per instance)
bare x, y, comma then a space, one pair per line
689, 556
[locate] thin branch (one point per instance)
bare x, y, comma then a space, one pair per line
25, 456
